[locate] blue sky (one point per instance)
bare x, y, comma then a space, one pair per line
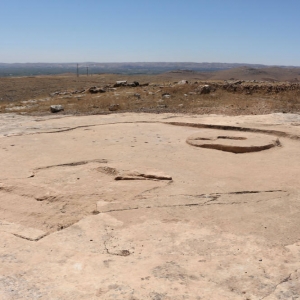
242, 31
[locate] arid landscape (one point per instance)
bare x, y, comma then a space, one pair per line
174, 186
241, 91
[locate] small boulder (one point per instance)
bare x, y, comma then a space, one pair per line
120, 83
166, 95
79, 91
182, 82
95, 90
133, 84
54, 94
56, 108
114, 107
203, 89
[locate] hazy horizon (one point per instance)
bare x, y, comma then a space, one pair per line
148, 62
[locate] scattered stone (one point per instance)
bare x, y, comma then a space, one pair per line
133, 84
95, 90
235, 81
54, 94
56, 108
114, 107
162, 106
182, 82
203, 89
124, 83
137, 95
14, 108
79, 92
120, 83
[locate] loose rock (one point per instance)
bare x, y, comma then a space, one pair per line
182, 82
114, 107
56, 108
120, 83
203, 89
95, 90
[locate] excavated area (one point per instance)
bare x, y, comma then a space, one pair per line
142, 206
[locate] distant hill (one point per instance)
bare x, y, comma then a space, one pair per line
272, 74
33, 69
260, 74
200, 71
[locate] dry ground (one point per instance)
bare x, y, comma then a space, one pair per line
31, 95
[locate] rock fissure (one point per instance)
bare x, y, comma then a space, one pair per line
80, 127
230, 193
74, 164
276, 286
119, 252
30, 239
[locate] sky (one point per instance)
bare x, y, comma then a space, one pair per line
228, 31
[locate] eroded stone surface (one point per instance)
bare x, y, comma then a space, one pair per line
225, 227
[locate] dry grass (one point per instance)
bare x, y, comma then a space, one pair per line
183, 98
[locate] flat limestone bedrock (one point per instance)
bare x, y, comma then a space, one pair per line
226, 227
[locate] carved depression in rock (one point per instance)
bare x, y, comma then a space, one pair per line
235, 142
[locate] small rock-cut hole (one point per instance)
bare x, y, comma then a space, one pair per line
202, 139
231, 137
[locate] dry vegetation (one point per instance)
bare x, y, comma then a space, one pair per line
32, 95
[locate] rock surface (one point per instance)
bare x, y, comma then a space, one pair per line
225, 227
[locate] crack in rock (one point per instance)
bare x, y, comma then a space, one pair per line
79, 127
73, 164
276, 286
143, 176
231, 193
212, 198
29, 239
119, 252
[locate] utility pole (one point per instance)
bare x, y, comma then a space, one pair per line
77, 71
